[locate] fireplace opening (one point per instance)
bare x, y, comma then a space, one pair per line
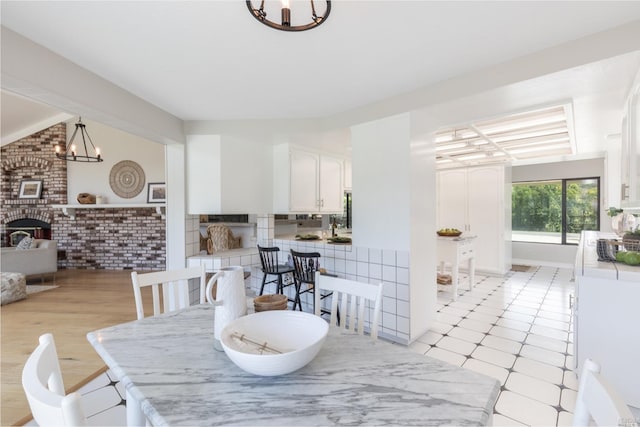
21, 228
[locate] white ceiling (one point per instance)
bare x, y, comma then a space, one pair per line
211, 60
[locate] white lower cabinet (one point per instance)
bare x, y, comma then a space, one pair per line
306, 181
477, 201
607, 319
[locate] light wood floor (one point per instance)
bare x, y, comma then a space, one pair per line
86, 300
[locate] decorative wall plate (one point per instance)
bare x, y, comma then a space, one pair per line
127, 179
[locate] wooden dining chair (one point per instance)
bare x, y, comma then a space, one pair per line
597, 399
305, 265
174, 285
271, 267
350, 299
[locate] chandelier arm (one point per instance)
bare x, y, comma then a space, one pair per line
314, 16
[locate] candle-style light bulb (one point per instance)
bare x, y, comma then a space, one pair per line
286, 13
73, 150
57, 149
98, 152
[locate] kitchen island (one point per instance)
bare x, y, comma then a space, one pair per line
607, 317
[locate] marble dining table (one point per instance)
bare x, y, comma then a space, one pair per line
174, 377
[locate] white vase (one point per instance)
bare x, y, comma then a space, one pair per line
231, 298
622, 223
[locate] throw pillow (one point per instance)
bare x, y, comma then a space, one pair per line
25, 243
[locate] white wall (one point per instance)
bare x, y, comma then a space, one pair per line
115, 146
543, 254
381, 183
176, 216
422, 273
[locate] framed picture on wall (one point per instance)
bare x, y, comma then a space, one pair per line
30, 189
157, 192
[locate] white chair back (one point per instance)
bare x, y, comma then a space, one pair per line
43, 385
174, 285
598, 400
349, 299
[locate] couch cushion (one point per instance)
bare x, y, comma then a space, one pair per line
25, 243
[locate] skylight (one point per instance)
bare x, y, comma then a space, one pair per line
533, 134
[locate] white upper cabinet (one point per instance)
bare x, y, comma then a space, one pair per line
305, 170
347, 175
306, 181
227, 175
630, 156
475, 201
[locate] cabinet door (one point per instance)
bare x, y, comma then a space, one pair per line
485, 188
347, 175
634, 145
331, 197
304, 182
452, 199
625, 161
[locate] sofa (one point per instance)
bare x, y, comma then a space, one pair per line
41, 258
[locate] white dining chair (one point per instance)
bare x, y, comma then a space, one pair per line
350, 300
174, 285
43, 385
597, 399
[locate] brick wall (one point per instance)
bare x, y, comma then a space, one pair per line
32, 157
110, 239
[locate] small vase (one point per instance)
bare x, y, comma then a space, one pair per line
622, 223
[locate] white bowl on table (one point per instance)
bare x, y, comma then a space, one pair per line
293, 339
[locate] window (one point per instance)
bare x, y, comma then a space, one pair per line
555, 211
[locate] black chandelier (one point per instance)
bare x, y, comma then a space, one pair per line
71, 153
285, 13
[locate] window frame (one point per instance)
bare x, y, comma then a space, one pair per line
563, 222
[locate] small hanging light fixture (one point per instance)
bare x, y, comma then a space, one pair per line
71, 153
285, 15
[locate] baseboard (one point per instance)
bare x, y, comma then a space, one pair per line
536, 262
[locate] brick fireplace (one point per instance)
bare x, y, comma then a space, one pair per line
113, 239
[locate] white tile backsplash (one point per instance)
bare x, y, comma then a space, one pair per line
375, 256
363, 254
402, 259
362, 269
402, 275
367, 265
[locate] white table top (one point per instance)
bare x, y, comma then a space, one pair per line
168, 363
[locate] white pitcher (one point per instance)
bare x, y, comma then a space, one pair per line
231, 299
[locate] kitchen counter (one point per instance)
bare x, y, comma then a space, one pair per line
587, 263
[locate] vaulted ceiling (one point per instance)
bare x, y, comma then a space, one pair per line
211, 60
